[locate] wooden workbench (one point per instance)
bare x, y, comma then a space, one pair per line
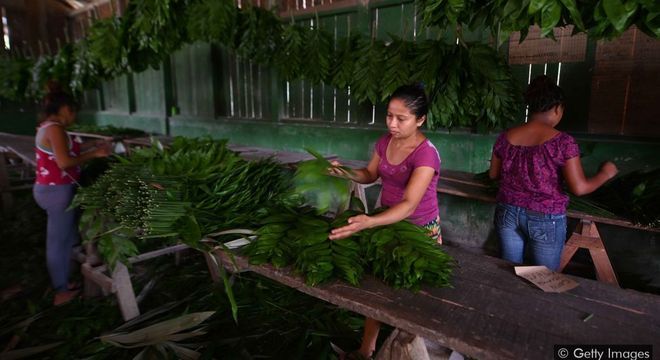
490, 313
16, 155
246, 152
20, 145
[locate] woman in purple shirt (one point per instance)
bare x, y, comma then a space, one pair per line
532, 161
408, 165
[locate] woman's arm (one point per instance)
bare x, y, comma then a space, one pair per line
495, 167
579, 184
417, 185
59, 143
89, 145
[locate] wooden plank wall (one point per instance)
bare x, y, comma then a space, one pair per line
625, 86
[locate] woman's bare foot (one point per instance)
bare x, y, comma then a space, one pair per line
64, 297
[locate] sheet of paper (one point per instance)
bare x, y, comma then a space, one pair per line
546, 279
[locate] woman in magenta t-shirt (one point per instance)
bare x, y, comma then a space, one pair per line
408, 165
532, 161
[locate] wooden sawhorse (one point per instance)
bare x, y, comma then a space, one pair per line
586, 236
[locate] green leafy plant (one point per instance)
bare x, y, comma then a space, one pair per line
368, 70
321, 190
212, 21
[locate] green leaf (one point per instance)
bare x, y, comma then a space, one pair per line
550, 16
571, 6
619, 13
536, 6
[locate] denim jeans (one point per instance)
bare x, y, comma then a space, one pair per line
521, 231
62, 232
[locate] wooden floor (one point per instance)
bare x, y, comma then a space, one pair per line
490, 313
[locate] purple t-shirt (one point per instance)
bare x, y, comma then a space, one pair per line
531, 176
396, 177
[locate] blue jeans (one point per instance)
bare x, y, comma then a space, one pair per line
62, 232
541, 235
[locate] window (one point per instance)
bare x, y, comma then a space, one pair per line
5, 30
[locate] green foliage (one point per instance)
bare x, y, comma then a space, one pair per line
344, 62
259, 33
600, 19
634, 196
152, 31
318, 55
399, 66
368, 70
106, 50
288, 59
463, 92
212, 21
470, 87
321, 190
14, 78
404, 256
158, 197
401, 254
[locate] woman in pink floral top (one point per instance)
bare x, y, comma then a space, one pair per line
532, 162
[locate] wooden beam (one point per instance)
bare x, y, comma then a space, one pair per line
90, 6
6, 198
96, 275
125, 294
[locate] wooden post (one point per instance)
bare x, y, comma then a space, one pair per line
402, 345
125, 294
586, 236
92, 259
214, 271
6, 199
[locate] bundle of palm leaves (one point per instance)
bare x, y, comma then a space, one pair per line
634, 196
400, 254
321, 190
195, 187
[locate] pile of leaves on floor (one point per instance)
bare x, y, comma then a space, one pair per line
184, 316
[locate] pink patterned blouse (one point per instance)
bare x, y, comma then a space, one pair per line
531, 176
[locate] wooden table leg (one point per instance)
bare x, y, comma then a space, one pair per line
6, 199
212, 264
91, 258
125, 295
586, 236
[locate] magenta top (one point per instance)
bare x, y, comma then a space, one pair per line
531, 176
396, 177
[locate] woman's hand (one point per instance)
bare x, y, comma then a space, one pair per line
103, 149
355, 224
609, 169
336, 170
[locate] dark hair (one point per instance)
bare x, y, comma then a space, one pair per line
55, 99
414, 97
543, 94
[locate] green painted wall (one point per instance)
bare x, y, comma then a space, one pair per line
18, 122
